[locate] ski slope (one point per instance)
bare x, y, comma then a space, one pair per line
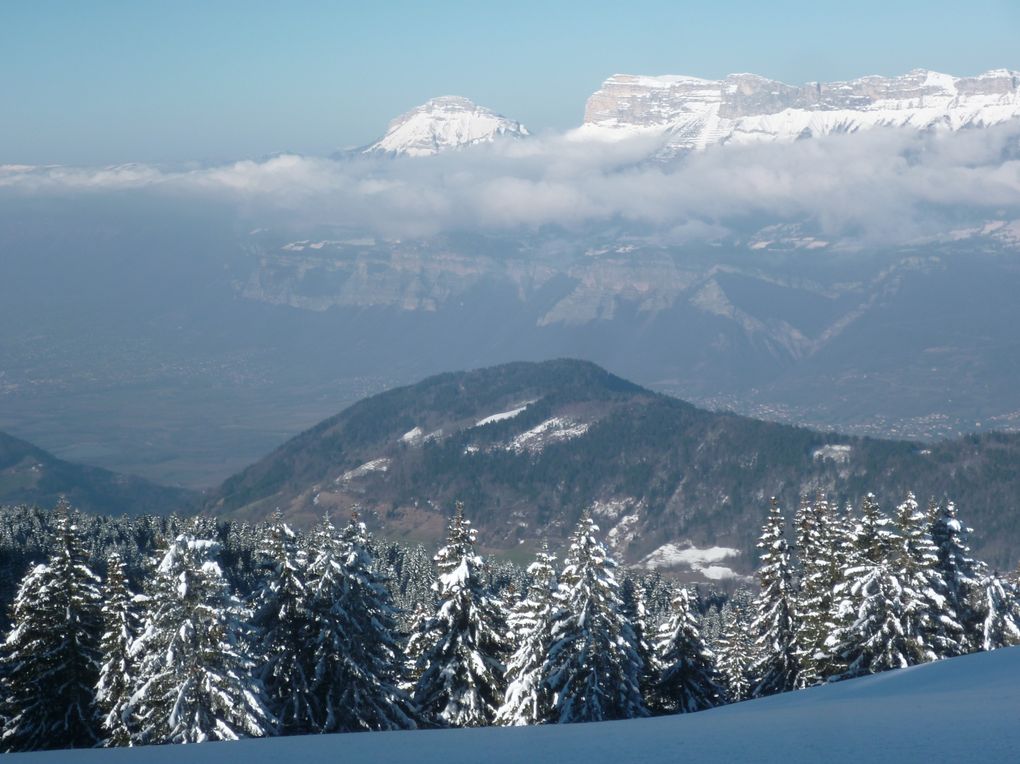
961, 710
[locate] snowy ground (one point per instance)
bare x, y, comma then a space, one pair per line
961, 710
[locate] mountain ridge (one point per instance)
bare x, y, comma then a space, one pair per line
31, 475
528, 446
691, 113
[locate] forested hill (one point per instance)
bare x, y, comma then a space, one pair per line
528, 446
30, 475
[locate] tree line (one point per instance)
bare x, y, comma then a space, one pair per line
199, 631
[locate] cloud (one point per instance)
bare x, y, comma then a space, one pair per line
889, 185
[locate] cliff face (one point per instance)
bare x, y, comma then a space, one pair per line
695, 113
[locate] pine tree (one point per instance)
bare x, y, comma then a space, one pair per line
51, 654
930, 623
867, 632
688, 680
287, 634
636, 614
195, 679
593, 668
961, 574
736, 653
776, 667
527, 699
116, 675
461, 671
996, 607
817, 549
358, 663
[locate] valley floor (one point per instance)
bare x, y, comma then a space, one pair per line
961, 710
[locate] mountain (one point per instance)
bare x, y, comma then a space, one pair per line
442, 124
692, 113
30, 475
528, 446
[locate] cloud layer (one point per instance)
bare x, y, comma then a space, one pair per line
892, 185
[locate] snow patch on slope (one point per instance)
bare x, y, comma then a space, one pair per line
698, 560
555, 430
502, 415
376, 465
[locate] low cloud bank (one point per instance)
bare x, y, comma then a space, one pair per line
892, 185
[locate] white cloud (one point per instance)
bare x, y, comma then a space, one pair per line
883, 184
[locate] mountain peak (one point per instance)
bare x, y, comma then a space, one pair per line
444, 123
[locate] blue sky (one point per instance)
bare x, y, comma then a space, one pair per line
117, 81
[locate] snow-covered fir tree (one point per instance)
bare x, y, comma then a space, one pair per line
735, 650
358, 658
527, 699
688, 679
287, 633
817, 549
867, 632
50, 659
195, 673
636, 614
930, 623
116, 675
960, 573
461, 672
995, 604
775, 668
594, 669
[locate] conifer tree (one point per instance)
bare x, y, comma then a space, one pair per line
461, 671
961, 574
930, 624
527, 699
287, 634
735, 653
594, 669
688, 679
636, 613
867, 626
775, 668
996, 607
50, 659
817, 549
195, 679
358, 663
116, 675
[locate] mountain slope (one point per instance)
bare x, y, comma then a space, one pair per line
442, 124
963, 709
30, 475
692, 113
528, 446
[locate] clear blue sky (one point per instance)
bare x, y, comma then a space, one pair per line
97, 81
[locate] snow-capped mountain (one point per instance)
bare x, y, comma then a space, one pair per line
441, 124
694, 113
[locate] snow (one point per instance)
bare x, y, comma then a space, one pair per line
413, 437
963, 709
376, 465
502, 415
698, 560
552, 430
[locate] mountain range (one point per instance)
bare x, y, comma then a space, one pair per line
691, 113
